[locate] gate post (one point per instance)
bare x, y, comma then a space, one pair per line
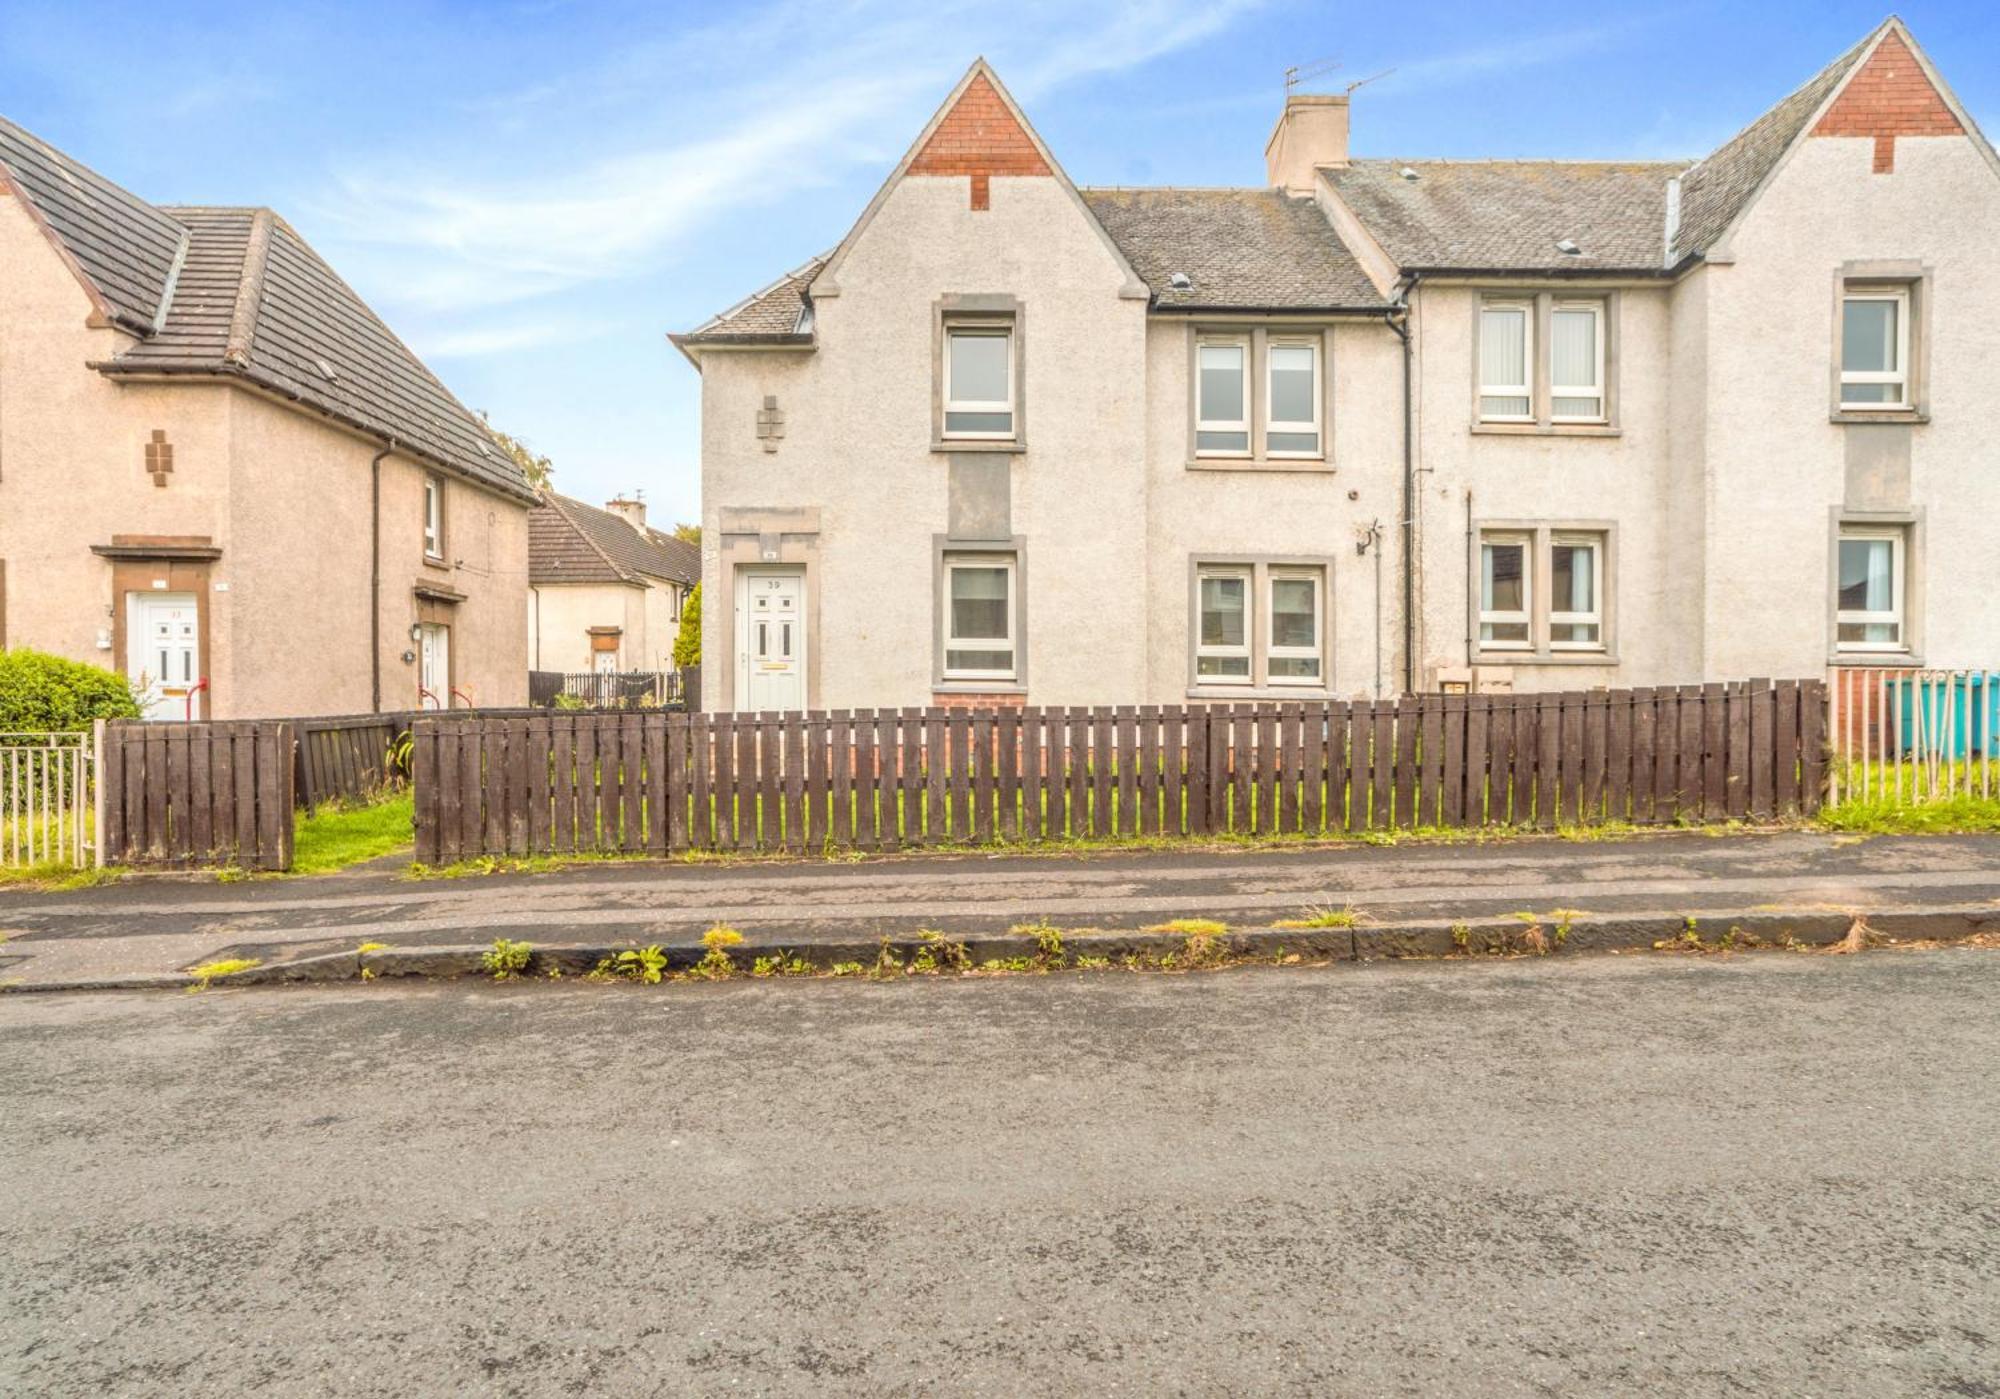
96, 778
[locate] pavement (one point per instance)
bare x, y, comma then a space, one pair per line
153, 927
1769, 1173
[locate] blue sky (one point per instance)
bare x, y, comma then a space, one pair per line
534, 193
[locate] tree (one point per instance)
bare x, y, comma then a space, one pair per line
687, 533
687, 646
538, 469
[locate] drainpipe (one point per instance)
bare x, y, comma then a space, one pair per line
375, 578
1398, 320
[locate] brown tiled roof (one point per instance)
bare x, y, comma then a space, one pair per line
126, 248
238, 293
1484, 215
1240, 249
779, 314
571, 542
1714, 192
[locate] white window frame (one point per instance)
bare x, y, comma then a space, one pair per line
1898, 593
1556, 390
1275, 652
1248, 650
1240, 343
1524, 390
953, 642
1489, 616
989, 329
1273, 424
433, 515
1901, 375
1595, 544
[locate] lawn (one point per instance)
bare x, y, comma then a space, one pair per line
335, 837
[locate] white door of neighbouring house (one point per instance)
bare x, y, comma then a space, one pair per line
163, 653
434, 666
771, 639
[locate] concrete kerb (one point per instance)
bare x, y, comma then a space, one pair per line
1550, 933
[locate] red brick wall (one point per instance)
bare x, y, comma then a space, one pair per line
979, 137
1889, 97
956, 700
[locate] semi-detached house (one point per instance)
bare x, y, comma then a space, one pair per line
1379, 425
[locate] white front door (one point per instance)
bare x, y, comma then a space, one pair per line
606, 662
434, 666
771, 639
163, 653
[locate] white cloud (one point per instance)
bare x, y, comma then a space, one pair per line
835, 88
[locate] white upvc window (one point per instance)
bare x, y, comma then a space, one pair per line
978, 602
1222, 639
979, 380
433, 516
1875, 348
1576, 362
1505, 595
1869, 591
1293, 655
1222, 396
1506, 355
1293, 395
1576, 593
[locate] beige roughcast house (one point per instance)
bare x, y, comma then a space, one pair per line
221, 474
1378, 425
605, 589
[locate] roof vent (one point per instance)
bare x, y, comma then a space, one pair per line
1408, 172
1180, 281
1568, 248
325, 370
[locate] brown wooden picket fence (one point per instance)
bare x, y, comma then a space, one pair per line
890, 778
197, 794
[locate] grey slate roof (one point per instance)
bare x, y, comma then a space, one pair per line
1243, 249
1506, 214
243, 296
571, 542
1715, 191
778, 314
128, 249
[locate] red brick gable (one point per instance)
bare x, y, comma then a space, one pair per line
980, 137
1889, 96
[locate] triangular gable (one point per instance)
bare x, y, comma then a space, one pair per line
1902, 95
978, 131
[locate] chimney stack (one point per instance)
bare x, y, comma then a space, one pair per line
632, 511
1310, 135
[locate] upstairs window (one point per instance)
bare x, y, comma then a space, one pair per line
1506, 333
979, 381
1875, 348
1293, 395
1576, 362
1222, 410
433, 516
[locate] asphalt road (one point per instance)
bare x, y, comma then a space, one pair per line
1769, 1174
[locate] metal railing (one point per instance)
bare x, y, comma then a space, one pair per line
46, 791
1907, 736
625, 689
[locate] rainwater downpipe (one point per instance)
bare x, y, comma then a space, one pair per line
1398, 320
375, 578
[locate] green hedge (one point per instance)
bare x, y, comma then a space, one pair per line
40, 693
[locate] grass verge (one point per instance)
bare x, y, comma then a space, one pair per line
335, 837
1951, 816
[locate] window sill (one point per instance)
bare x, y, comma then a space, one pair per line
1890, 415
1480, 429
1564, 658
978, 687
1259, 692
1309, 465
977, 444
1890, 660
442, 565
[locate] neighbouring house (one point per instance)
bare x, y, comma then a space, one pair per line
222, 474
1379, 425
604, 588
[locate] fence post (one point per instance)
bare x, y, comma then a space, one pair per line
96, 797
